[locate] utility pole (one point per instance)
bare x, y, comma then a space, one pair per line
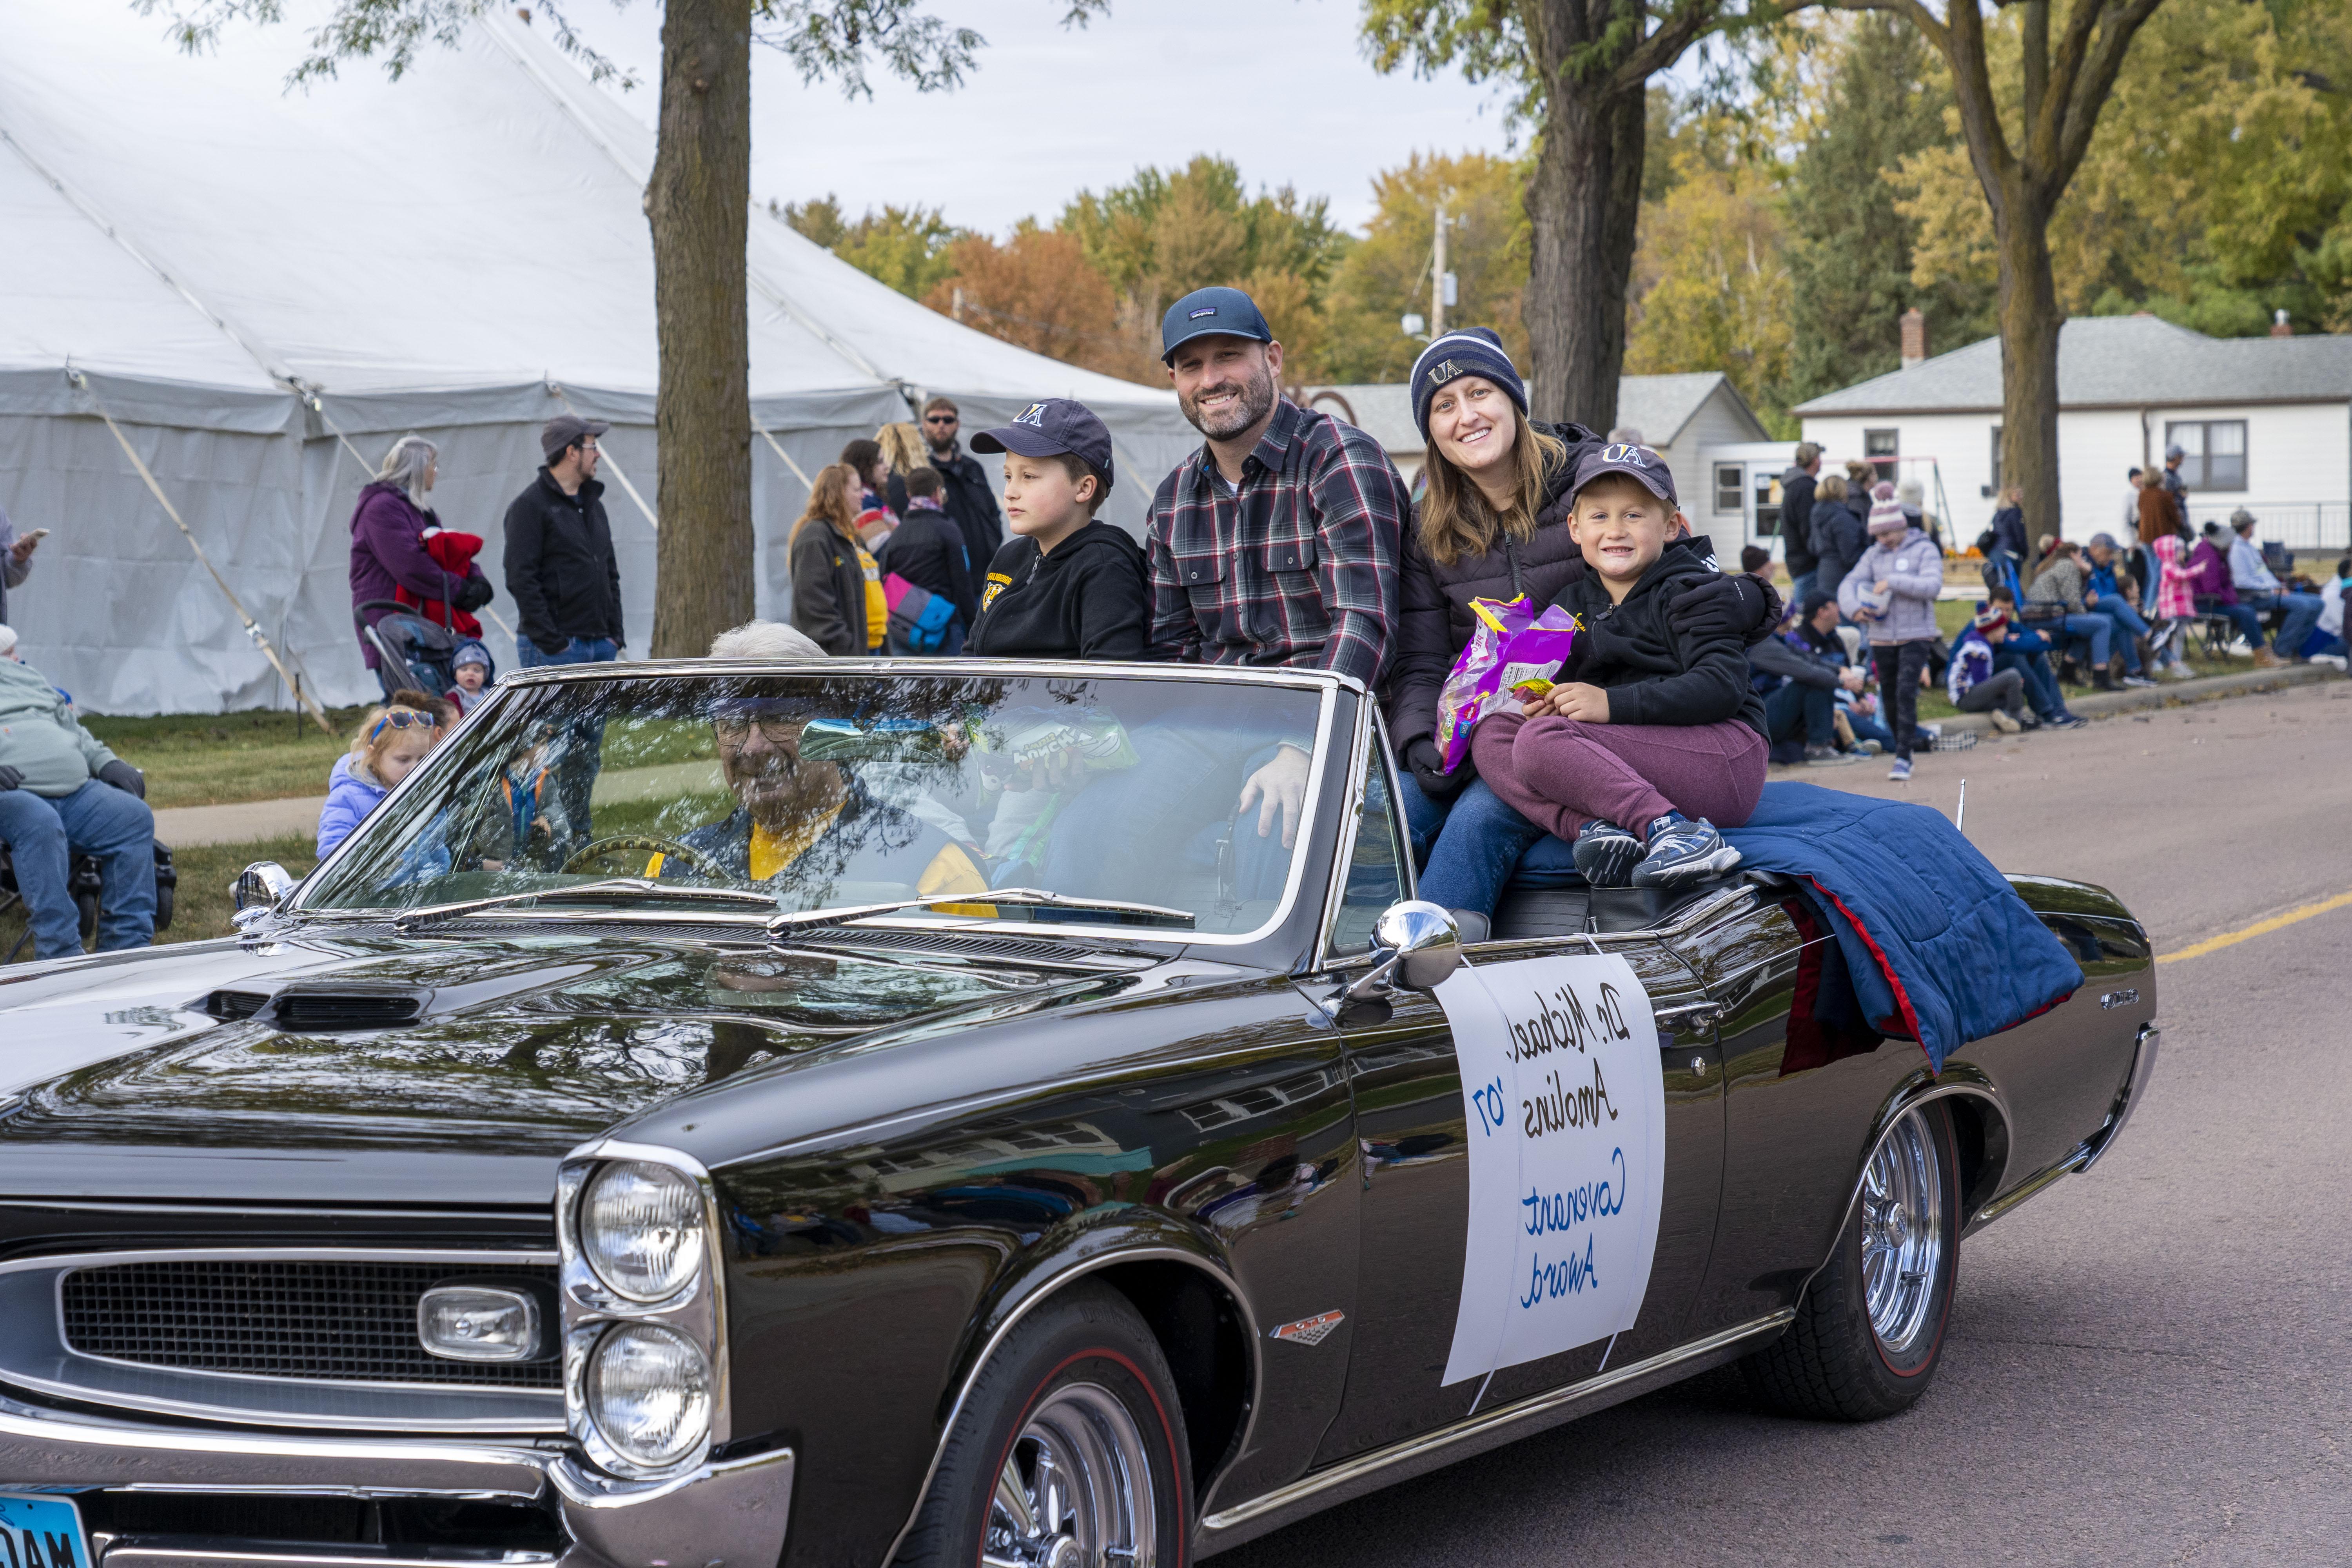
1440, 280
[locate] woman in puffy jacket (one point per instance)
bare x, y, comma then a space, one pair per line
388, 550
1892, 591
1492, 525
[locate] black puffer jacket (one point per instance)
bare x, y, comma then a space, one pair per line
1655, 670
1842, 534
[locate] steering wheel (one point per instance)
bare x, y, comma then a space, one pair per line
643, 842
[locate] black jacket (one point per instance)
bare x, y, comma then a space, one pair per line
1797, 521
970, 500
1433, 617
1773, 656
1841, 536
1654, 672
929, 550
561, 571
1088, 599
829, 591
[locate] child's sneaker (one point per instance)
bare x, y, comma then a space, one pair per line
1605, 854
1901, 771
1682, 850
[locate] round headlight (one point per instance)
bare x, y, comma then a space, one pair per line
641, 1229
649, 1393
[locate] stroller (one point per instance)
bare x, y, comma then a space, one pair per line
410, 651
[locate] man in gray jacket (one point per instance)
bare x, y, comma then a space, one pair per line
61, 794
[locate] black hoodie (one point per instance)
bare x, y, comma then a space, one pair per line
1654, 672
1088, 599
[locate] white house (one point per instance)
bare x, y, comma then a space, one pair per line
1684, 418
2266, 422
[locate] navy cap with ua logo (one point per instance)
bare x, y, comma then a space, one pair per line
1640, 462
1207, 310
1049, 429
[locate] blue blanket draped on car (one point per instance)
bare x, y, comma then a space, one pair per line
1941, 947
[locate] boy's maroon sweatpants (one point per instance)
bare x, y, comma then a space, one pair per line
1560, 773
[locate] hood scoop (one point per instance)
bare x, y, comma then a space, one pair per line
318, 1012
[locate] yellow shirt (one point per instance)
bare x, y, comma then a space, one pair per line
877, 608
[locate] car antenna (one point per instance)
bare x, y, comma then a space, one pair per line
1960, 817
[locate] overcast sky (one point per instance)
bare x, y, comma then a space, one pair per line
1281, 86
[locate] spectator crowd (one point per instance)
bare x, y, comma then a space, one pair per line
1287, 539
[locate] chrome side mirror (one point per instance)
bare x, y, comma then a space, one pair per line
1415, 944
259, 889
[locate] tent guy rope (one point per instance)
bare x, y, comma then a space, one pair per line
252, 627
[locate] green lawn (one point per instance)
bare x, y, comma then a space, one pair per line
199, 760
202, 905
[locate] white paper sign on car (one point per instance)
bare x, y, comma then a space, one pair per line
1566, 1102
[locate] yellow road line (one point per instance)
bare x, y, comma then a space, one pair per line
2259, 928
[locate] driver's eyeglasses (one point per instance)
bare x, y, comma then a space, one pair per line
733, 733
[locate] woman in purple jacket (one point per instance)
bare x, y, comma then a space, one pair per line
388, 538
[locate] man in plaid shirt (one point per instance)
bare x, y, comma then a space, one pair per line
1277, 545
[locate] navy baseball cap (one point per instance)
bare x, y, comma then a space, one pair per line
1628, 457
1049, 429
1206, 311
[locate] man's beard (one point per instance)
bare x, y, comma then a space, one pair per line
1256, 399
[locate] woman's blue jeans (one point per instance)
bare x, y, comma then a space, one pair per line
2099, 629
2127, 621
1471, 845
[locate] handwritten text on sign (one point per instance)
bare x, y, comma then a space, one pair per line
1566, 1103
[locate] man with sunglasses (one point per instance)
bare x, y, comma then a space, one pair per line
63, 793
969, 499
807, 826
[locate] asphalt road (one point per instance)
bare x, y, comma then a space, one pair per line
2148, 1361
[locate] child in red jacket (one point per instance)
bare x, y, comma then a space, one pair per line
454, 554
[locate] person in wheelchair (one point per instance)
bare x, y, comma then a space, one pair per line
63, 793
803, 825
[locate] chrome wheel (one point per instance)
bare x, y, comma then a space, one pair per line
1902, 1231
1075, 1491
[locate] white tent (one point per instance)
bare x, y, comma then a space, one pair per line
237, 270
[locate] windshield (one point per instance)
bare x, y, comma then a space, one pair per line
1105, 801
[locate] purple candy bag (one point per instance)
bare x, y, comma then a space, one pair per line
1508, 647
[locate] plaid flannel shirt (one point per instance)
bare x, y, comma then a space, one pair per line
1298, 566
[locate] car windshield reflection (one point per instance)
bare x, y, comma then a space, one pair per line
1089, 800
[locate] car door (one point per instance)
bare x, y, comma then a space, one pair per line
1799, 1097
1412, 1136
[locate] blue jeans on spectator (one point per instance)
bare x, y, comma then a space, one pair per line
1866, 727
2241, 614
1800, 715
1802, 588
2097, 629
44, 831
2128, 623
583, 759
1475, 854
2302, 615
2042, 693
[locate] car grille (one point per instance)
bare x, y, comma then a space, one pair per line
338, 1321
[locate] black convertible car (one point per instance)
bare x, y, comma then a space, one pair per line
946, 1114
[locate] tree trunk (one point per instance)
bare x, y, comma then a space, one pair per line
1584, 206
699, 207
2029, 360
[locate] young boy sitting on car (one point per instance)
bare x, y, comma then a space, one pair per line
1066, 587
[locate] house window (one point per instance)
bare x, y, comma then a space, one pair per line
1881, 443
1727, 484
2217, 452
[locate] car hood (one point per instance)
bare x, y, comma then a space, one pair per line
117, 1079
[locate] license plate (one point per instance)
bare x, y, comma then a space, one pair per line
41, 1533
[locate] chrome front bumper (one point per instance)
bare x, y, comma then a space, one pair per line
731, 1514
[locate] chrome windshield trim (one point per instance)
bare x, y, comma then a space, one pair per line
1326, 684
35, 1356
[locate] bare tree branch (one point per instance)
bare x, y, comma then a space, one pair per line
2090, 95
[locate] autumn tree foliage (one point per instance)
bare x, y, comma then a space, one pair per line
1036, 289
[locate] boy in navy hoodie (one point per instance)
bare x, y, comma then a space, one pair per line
1064, 587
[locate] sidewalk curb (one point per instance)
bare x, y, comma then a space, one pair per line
2205, 689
